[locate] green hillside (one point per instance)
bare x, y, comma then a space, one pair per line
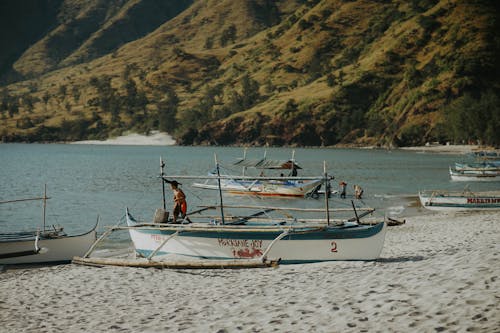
262, 72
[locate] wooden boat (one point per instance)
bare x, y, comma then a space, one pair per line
478, 166
289, 186
289, 242
250, 240
447, 201
43, 247
474, 175
48, 245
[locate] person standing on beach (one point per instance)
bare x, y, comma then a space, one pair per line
180, 204
343, 186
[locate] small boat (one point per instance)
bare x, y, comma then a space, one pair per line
286, 186
478, 166
474, 175
449, 201
252, 237
44, 246
487, 154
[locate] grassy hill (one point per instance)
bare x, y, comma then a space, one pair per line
308, 73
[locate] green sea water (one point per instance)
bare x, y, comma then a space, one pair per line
86, 181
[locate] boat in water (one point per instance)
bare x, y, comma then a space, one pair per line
289, 185
47, 245
474, 175
453, 201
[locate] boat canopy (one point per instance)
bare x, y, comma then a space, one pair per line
267, 164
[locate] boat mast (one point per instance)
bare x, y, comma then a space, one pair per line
162, 166
244, 157
44, 205
327, 187
220, 189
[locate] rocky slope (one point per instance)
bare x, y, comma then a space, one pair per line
313, 73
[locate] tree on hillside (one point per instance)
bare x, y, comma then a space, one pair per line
250, 92
228, 35
472, 119
167, 111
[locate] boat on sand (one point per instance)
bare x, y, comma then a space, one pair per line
252, 237
453, 201
47, 245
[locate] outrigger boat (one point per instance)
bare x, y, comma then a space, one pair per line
449, 201
474, 175
48, 245
478, 166
289, 186
252, 238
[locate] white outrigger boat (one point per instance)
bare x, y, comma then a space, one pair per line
449, 201
252, 238
474, 175
44, 246
478, 166
286, 186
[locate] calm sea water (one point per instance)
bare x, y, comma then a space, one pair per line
85, 181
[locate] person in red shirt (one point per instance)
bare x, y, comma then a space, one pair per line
180, 204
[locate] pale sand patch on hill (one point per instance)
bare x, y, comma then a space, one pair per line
155, 139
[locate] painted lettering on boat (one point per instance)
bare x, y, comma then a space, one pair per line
243, 248
483, 200
334, 246
247, 253
157, 238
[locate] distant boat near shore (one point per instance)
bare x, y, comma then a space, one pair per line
450, 201
474, 175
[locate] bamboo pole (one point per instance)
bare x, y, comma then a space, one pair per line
201, 264
294, 209
280, 236
243, 177
27, 199
163, 243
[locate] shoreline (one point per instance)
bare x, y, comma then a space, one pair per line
157, 138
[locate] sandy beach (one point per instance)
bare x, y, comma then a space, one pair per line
437, 273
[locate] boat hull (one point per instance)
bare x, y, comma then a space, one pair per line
51, 250
230, 242
445, 202
478, 176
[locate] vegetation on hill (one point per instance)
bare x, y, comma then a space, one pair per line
263, 72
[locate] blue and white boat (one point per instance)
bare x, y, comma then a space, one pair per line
478, 166
449, 201
280, 185
290, 242
287, 238
474, 175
